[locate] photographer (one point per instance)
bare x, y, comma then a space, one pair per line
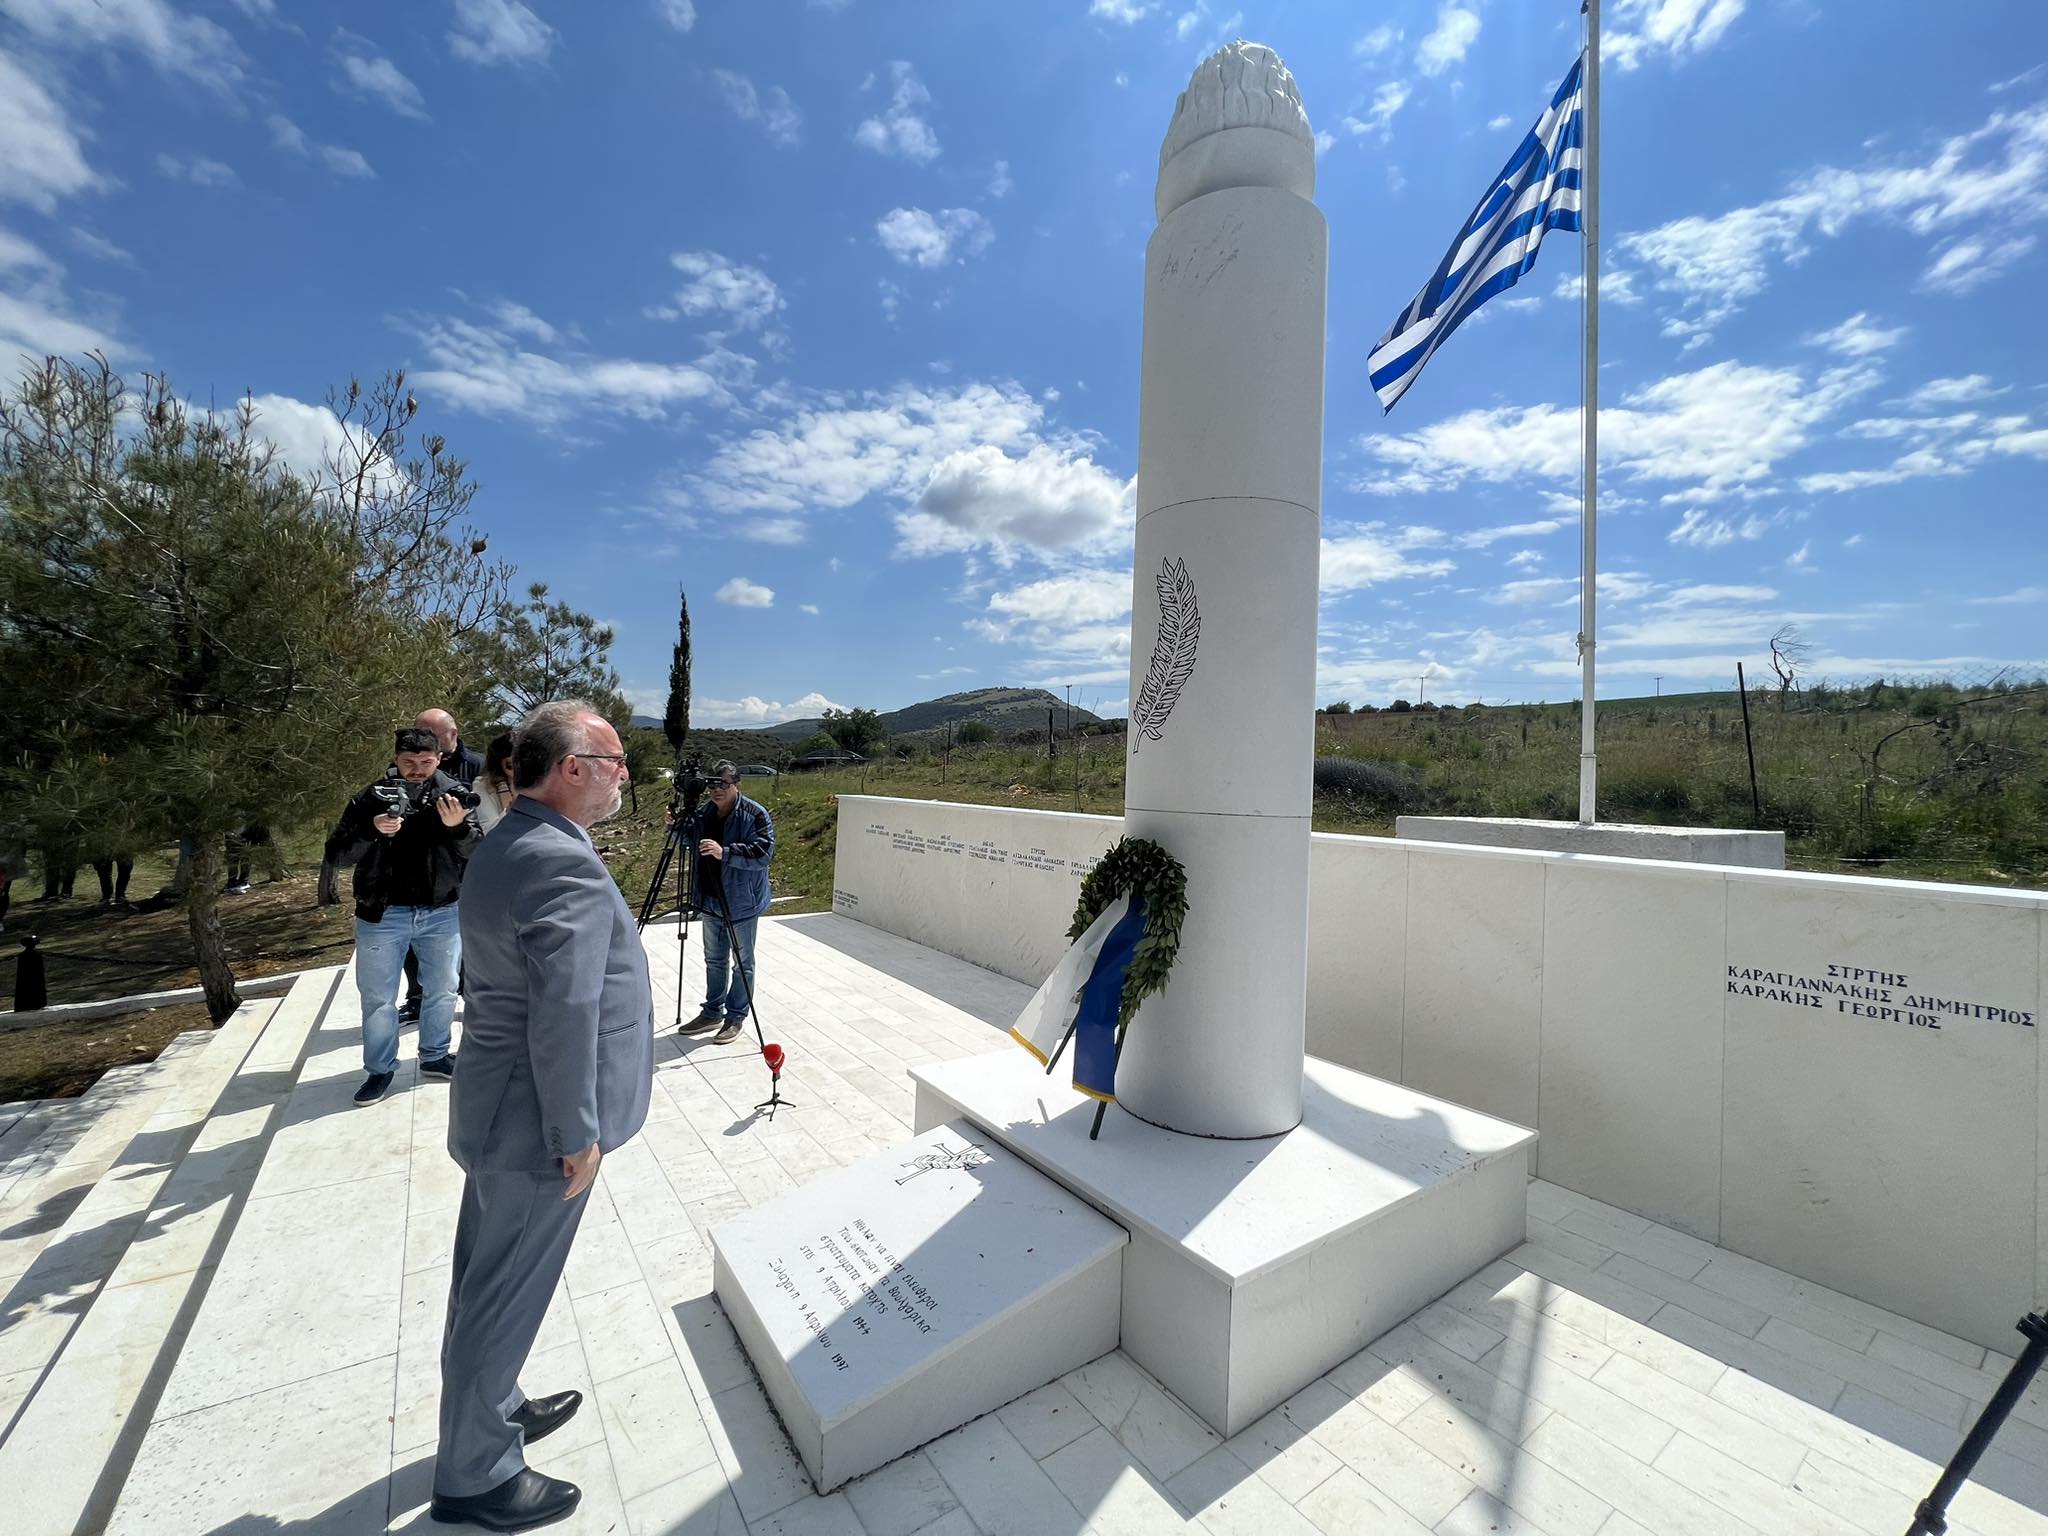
413, 833
735, 840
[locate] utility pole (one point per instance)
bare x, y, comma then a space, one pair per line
1660, 685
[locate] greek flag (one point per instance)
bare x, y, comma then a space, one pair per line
1081, 997
1537, 191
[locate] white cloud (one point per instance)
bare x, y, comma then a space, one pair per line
1675, 27
1379, 118
368, 73
40, 157
1456, 28
744, 296
922, 239
1858, 337
773, 110
499, 32
199, 171
1526, 559
1376, 42
1723, 429
1617, 286
1124, 11
1969, 264
1122, 79
899, 130
680, 14
1798, 559
1975, 386
305, 436
38, 317
1000, 184
1498, 123
487, 369
1700, 529
345, 162
1994, 175
969, 469
1364, 557
286, 134
742, 593
810, 608
2023, 595
1086, 597
981, 498
175, 43
1325, 142
731, 713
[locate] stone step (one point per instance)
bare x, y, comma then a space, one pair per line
310, 1271
55, 1173
70, 1445
85, 1210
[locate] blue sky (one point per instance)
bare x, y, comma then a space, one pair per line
829, 313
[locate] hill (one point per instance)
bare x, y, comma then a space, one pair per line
1003, 710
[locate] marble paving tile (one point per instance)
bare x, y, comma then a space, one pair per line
652, 1425
1229, 1499
312, 1461
1002, 1489
904, 1497
1347, 1505
1045, 1420
281, 1283
621, 1330
1102, 1478
698, 1504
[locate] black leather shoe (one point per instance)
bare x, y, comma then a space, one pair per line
521, 1502
442, 1067
373, 1087
542, 1416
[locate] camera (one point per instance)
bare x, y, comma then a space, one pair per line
401, 797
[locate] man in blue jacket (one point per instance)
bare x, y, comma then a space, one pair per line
735, 840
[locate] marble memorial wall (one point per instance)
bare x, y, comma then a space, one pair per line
1836, 1075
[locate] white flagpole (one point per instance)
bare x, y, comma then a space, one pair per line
1590, 218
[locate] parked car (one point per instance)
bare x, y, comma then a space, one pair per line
757, 771
813, 760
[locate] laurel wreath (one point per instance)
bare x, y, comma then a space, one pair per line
1140, 865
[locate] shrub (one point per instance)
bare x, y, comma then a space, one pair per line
1383, 784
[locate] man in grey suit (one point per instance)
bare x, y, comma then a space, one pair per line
557, 1067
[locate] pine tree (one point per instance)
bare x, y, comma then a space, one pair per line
199, 639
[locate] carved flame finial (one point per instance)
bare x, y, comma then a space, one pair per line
1240, 85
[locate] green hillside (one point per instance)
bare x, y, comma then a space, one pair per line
1003, 710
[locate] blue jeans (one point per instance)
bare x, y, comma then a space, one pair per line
432, 933
718, 945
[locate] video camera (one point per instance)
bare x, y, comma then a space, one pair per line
689, 786
401, 797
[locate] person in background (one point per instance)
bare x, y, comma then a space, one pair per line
494, 788
406, 887
113, 873
6, 888
735, 839
462, 765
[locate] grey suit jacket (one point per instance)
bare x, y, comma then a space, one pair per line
558, 1016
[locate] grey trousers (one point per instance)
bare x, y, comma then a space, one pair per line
512, 1237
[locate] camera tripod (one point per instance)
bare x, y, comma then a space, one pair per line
683, 803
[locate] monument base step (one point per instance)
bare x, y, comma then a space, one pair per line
895, 1299
1255, 1266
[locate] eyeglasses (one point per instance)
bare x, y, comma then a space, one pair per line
603, 757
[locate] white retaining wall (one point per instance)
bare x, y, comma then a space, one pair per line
1836, 1075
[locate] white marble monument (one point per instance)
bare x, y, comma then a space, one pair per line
1272, 1231
1223, 617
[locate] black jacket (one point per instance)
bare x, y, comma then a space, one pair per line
463, 764
419, 867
